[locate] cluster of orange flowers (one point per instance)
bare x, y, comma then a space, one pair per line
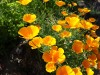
62, 3
54, 57
83, 10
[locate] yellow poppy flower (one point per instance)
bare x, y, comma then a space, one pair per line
49, 41
80, 9
60, 50
50, 67
93, 63
61, 22
29, 32
64, 13
95, 27
38, 26
86, 10
55, 55
83, 10
45, 0
89, 71
65, 70
86, 24
57, 28
92, 19
29, 18
61, 58
65, 34
58, 57
69, 5
74, 4
73, 15
91, 42
78, 46
60, 3
24, 2
93, 33
72, 21
77, 71
36, 42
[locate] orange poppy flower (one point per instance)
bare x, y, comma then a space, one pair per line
77, 71
93, 33
36, 42
65, 34
91, 42
29, 32
54, 55
74, 4
60, 3
29, 18
86, 63
92, 19
47, 56
86, 47
89, 71
95, 50
53, 52
73, 15
64, 13
86, 10
50, 67
86, 24
80, 9
98, 65
57, 55
24, 2
66, 26
65, 70
98, 56
93, 63
78, 46
69, 5
83, 10
54, 48
92, 57
57, 28
49, 41
72, 21
95, 27
61, 22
